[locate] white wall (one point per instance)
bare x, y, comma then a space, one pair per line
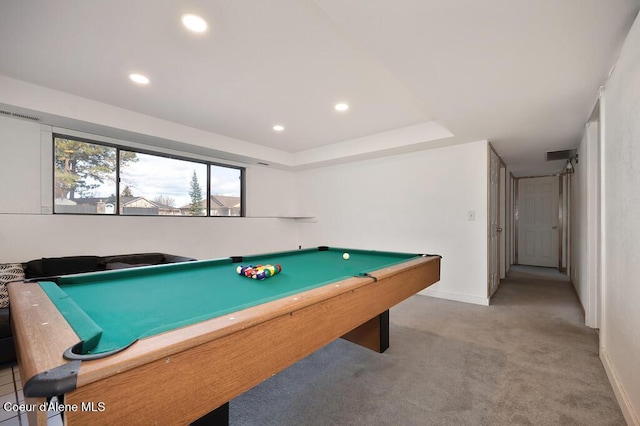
28, 231
413, 202
585, 225
620, 332
19, 142
579, 230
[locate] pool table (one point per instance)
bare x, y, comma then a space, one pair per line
169, 344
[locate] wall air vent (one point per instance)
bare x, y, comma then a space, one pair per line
560, 155
18, 115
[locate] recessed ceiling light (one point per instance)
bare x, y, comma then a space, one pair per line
139, 78
278, 128
341, 106
194, 23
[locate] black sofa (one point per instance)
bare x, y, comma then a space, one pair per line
56, 266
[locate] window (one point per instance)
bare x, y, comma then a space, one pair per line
154, 185
93, 178
225, 195
84, 176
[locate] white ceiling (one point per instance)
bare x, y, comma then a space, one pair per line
522, 74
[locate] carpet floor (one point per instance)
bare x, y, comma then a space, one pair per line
527, 359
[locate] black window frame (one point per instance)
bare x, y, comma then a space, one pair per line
118, 148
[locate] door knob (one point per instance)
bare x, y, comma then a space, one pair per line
499, 229
554, 227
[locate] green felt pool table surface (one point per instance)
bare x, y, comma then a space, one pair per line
112, 309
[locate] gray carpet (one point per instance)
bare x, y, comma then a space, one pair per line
527, 359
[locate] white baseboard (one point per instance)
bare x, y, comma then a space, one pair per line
630, 414
458, 297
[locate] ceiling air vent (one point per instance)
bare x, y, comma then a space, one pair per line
18, 115
560, 155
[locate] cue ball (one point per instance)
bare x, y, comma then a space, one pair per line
345, 256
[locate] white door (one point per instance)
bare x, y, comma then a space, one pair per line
538, 221
493, 229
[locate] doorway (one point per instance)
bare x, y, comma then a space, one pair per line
538, 222
496, 222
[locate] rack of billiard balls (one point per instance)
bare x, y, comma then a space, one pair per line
259, 272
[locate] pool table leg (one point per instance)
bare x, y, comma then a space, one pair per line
36, 417
218, 417
373, 334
